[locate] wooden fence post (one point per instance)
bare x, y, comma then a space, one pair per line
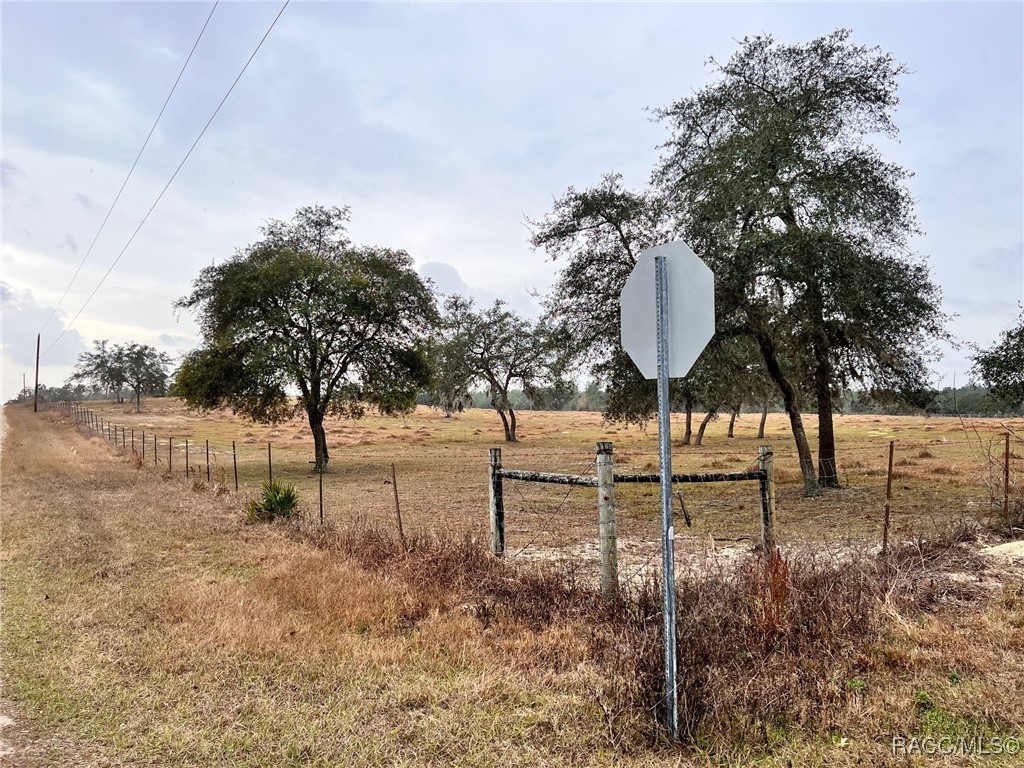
234, 462
170, 453
207, 461
888, 501
766, 464
270, 465
186, 457
606, 519
156, 458
143, 445
496, 503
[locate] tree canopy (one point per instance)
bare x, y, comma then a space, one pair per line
500, 350
304, 321
1001, 366
770, 175
138, 367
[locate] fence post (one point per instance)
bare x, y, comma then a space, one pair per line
398, 509
207, 461
888, 501
1006, 484
320, 482
133, 440
143, 445
766, 464
270, 465
170, 454
606, 519
234, 462
156, 458
496, 502
186, 457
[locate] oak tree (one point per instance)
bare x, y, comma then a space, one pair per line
771, 176
303, 321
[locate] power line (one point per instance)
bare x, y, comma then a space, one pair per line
173, 175
130, 170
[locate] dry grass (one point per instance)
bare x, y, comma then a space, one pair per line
145, 624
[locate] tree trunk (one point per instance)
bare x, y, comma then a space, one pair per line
796, 422
138, 401
732, 421
509, 436
316, 426
704, 425
764, 418
828, 476
512, 423
688, 433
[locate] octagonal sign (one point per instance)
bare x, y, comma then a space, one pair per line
690, 312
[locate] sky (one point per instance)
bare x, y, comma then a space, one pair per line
445, 127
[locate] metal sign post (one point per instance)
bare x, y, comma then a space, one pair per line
664, 338
668, 535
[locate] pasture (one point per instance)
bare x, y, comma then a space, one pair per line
944, 469
146, 624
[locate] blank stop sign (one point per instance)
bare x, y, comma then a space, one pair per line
690, 312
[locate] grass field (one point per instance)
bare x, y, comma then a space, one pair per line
146, 624
944, 469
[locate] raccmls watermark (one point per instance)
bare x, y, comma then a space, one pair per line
955, 745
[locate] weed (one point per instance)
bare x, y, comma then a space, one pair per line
857, 685
276, 500
765, 643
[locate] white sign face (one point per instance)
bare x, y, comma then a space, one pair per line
690, 312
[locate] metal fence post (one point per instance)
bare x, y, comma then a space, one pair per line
606, 519
766, 464
1006, 484
496, 502
888, 501
234, 462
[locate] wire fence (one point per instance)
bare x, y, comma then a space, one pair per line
442, 486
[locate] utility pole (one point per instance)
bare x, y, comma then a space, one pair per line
35, 399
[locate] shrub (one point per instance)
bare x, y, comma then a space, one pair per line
276, 500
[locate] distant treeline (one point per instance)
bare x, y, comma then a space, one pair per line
966, 400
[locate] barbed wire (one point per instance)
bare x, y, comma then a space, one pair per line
592, 465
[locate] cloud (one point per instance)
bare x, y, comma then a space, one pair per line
445, 277
9, 175
1007, 261
447, 281
991, 286
23, 318
85, 201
